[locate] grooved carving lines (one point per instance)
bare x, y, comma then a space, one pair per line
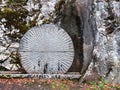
46, 49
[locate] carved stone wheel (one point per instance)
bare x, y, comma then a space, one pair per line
46, 49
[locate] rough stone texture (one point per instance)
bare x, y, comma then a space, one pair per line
38, 12
107, 44
87, 21
106, 60
43, 76
78, 21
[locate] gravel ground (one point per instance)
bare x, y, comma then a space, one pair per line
51, 84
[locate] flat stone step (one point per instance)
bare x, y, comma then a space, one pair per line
42, 76
10, 72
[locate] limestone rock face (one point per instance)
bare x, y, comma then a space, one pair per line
16, 17
103, 35
94, 26
78, 21
106, 49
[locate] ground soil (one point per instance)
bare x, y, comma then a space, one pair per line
49, 84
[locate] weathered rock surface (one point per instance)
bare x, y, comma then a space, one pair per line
78, 22
95, 44
106, 61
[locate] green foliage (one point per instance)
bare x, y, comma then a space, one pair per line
59, 86
100, 85
46, 21
6, 76
14, 17
16, 2
34, 21
115, 87
14, 59
3, 68
103, 85
7, 9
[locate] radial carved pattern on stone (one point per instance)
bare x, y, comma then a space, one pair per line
46, 49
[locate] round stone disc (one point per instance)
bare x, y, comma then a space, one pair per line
46, 49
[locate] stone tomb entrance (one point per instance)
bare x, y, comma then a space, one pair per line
46, 49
